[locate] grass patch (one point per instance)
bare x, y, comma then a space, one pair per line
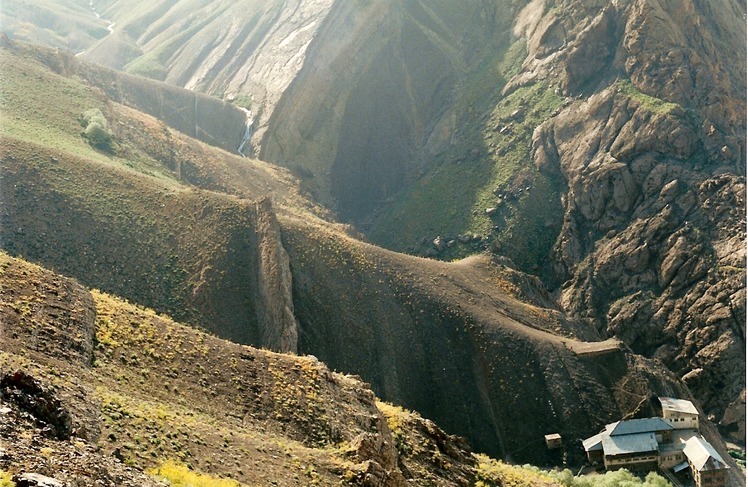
179, 475
650, 103
495, 473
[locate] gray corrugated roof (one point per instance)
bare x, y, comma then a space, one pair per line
702, 455
593, 443
678, 405
634, 443
635, 426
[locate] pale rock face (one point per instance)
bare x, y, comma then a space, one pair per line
246, 50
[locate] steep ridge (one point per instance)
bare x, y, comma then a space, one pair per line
461, 342
131, 218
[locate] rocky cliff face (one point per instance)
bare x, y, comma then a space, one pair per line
652, 248
273, 288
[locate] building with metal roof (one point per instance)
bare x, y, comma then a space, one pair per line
670, 443
635, 426
707, 466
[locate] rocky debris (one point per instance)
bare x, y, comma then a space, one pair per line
28, 395
442, 244
439, 244
35, 480
36, 459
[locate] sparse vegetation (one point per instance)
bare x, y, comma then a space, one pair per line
649, 102
396, 417
179, 475
739, 456
5, 479
495, 473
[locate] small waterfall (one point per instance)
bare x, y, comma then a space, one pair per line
247, 130
109, 26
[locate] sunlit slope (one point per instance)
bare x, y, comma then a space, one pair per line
141, 392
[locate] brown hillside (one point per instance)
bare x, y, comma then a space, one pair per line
151, 390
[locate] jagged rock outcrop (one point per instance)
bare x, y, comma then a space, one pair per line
273, 295
652, 245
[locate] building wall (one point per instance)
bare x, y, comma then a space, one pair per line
681, 420
641, 461
711, 478
595, 456
671, 458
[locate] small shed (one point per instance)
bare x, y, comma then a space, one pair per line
553, 441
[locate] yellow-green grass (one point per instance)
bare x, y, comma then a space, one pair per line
179, 475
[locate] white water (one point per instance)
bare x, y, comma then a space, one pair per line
247, 130
109, 24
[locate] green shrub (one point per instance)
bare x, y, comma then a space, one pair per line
96, 129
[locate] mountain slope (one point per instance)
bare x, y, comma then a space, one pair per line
134, 389
600, 146
652, 247
473, 345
